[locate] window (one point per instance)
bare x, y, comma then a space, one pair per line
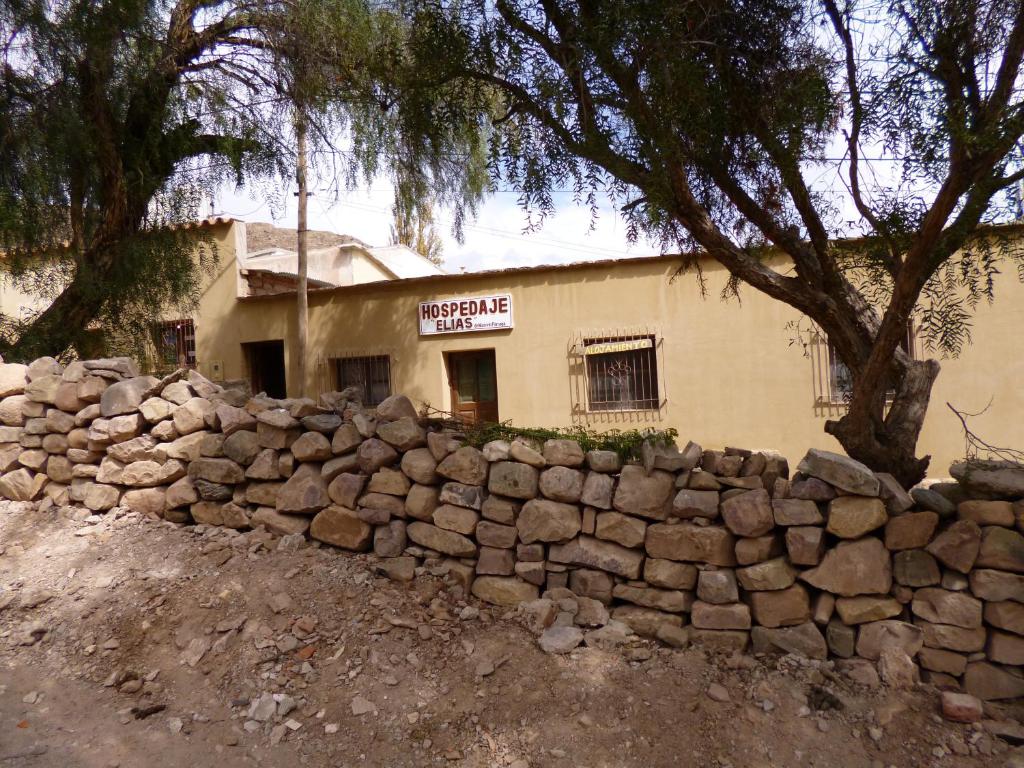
840, 379
372, 374
175, 342
622, 373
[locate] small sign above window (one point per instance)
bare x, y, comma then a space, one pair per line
606, 347
466, 315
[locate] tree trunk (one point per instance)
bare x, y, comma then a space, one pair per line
887, 441
302, 299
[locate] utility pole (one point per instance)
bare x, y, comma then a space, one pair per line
302, 300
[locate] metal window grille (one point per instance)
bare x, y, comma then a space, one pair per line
620, 371
370, 373
833, 380
175, 342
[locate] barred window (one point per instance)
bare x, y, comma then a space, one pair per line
175, 342
840, 378
622, 373
371, 373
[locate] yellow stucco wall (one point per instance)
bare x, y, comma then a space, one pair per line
730, 372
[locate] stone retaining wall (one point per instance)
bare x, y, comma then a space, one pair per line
721, 548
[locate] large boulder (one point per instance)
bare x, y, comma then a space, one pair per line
749, 514
594, 553
853, 568
466, 465
13, 378
1001, 548
341, 527
644, 495
693, 543
1000, 478
841, 471
549, 521
304, 493
445, 542
513, 479
125, 396
957, 546
396, 407
850, 517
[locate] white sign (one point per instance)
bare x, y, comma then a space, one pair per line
465, 315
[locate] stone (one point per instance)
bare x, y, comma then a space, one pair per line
148, 474
145, 501
276, 523
421, 501
990, 682
312, 446
458, 519
759, 548
520, 450
853, 568
396, 407
841, 471
548, 521
471, 496
796, 512
374, 454
1006, 615
181, 493
933, 501
896, 668
233, 419
749, 514
717, 587
941, 606
957, 547
213, 491
242, 447
100, 498
1005, 648
897, 500
1002, 549
58, 469
912, 530
1000, 478
915, 568
689, 542
495, 562
330, 468
531, 572
560, 639
644, 621
603, 461
440, 540
938, 660
850, 517
566, 453
33, 459
598, 489
122, 428
207, 513
780, 608
44, 389
988, 584
560, 483
670, 601
767, 576
709, 616
689, 503
514, 479
21, 485
876, 635
805, 544
644, 495
811, 489
304, 493
865, 608
420, 466
622, 529
58, 421
124, 396
669, 574
346, 439
594, 553
264, 466
506, 591
403, 434
379, 508
952, 638
340, 527
216, 470
842, 640
466, 465
13, 379
699, 480
721, 641
986, 512
345, 489
496, 450
586, 582
389, 540
390, 481
801, 640
961, 707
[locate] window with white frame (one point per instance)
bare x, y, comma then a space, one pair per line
622, 373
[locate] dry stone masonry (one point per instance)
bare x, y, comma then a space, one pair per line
721, 548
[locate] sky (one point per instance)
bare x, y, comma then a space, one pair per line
495, 239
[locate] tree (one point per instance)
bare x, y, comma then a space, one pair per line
416, 230
708, 123
116, 115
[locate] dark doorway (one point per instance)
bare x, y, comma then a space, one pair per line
474, 386
266, 367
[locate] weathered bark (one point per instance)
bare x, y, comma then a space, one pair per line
302, 297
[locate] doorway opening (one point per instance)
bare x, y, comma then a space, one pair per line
474, 386
266, 367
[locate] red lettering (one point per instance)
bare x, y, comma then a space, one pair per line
469, 323
503, 304
483, 308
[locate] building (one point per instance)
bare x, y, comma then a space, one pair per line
626, 344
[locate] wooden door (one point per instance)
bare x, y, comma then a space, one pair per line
474, 386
